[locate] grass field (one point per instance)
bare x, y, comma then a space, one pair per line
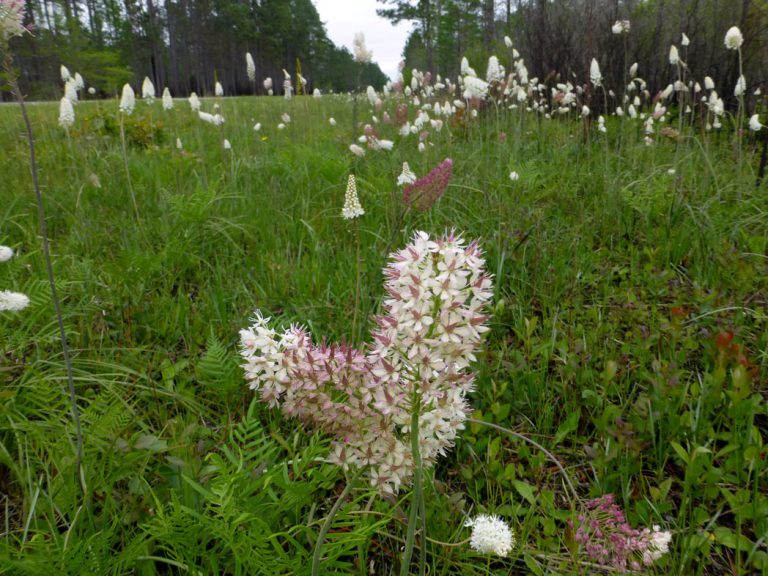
628, 338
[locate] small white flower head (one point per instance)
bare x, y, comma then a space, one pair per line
218, 89
362, 54
194, 102
79, 82
6, 253
685, 40
70, 91
167, 99
127, 100
65, 75
356, 150
674, 55
621, 27
332, 121
179, 145
92, 91
474, 87
671, 171
508, 41
352, 208
585, 110
268, 84
490, 535
495, 71
285, 117
316, 94
757, 92
421, 147
12, 301
514, 176
227, 145
709, 84
594, 73
633, 70
66, 113
148, 90
741, 87
406, 176
733, 38
250, 67
754, 123
281, 126
257, 127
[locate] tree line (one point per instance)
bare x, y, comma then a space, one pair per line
186, 45
559, 38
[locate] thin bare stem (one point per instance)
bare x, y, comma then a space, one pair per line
316, 556
51, 278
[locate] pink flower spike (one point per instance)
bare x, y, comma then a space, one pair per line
424, 192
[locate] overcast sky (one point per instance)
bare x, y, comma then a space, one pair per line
344, 18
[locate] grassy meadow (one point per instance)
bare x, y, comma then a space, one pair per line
628, 338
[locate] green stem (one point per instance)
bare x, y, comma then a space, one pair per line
417, 496
327, 525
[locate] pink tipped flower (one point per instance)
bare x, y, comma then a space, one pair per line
11, 20
424, 192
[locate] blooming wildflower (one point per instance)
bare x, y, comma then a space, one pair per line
70, 91
406, 176
352, 208
215, 119
490, 535
361, 52
356, 150
474, 88
179, 145
594, 73
218, 89
332, 121
194, 102
66, 113
285, 117
514, 176
621, 27
148, 90
281, 126
316, 94
633, 70
754, 123
424, 192
6, 253
268, 84
709, 84
674, 55
741, 87
167, 99
12, 301
227, 145
257, 127
495, 71
250, 67
507, 41
127, 100
466, 69
585, 110
733, 38
431, 327
421, 147
65, 75
11, 20
685, 40
91, 90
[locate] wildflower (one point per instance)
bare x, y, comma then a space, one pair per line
361, 52
11, 20
601, 125
754, 123
250, 67
227, 145
257, 127
356, 150
685, 40
12, 301
674, 56
406, 176
475, 88
148, 90
281, 126
490, 535
167, 99
285, 117
741, 87
352, 208
709, 84
179, 145
733, 38
332, 121
424, 192
65, 75
268, 85
421, 147
194, 102
128, 100
215, 119
594, 73
218, 89
507, 41
585, 110
316, 94
70, 91
633, 70
621, 27
91, 90
495, 71
6, 253
514, 176
66, 113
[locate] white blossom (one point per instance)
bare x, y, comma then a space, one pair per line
66, 113
733, 38
490, 535
127, 100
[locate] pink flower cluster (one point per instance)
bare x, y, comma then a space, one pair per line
423, 193
423, 345
609, 540
11, 20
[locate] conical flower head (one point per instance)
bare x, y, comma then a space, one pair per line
148, 90
250, 67
66, 113
127, 100
362, 54
352, 208
424, 192
406, 176
218, 89
733, 38
167, 99
594, 73
65, 75
194, 102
